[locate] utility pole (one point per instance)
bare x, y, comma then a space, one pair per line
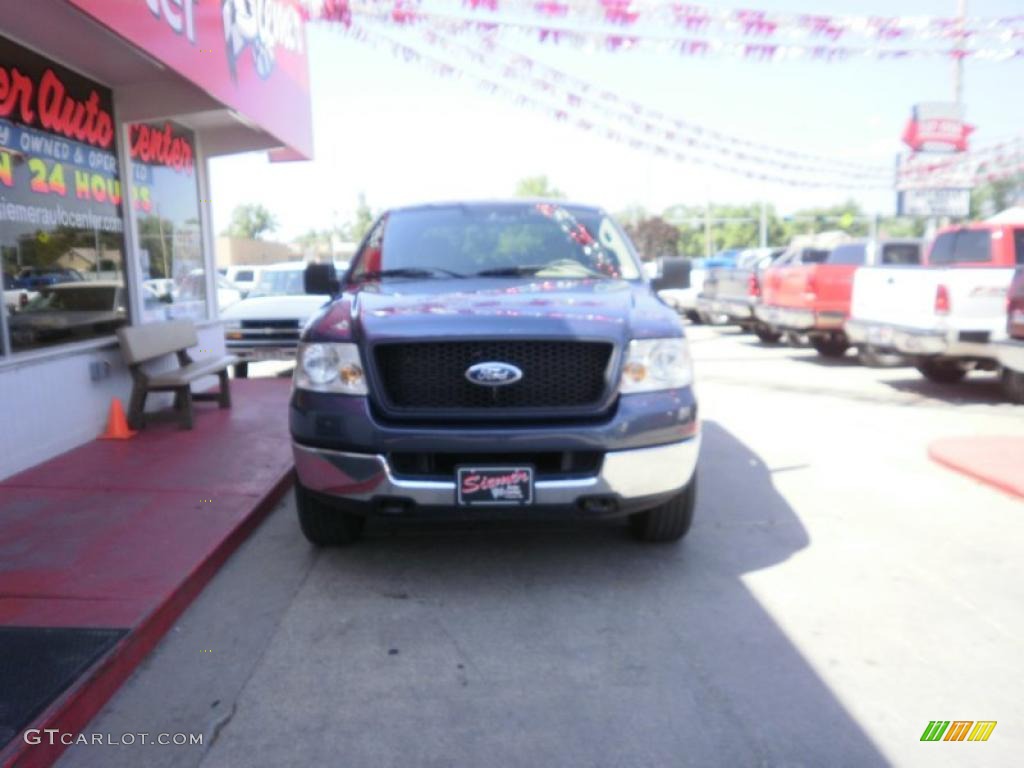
764, 224
707, 228
958, 61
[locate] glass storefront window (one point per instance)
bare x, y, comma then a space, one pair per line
165, 196
61, 225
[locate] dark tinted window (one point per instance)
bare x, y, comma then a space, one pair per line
1018, 244
813, 256
963, 246
847, 254
244, 276
901, 253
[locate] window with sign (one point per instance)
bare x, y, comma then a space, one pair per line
61, 224
165, 196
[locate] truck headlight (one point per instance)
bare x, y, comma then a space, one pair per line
653, 364
330, 368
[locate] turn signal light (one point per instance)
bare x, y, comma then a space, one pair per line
941, 300
811, 286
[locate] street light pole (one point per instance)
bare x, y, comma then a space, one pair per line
958, 60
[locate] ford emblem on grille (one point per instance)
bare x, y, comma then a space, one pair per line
493, 374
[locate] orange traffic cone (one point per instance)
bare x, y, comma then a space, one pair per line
117, 424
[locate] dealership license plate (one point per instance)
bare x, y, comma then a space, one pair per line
478, 486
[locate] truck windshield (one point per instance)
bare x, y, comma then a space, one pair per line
500, 240
962, 246
280, 282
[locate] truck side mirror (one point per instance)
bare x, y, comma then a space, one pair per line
321, 279
675, 273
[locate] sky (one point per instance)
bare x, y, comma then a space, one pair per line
398, 134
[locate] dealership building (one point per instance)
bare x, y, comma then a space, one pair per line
109, 113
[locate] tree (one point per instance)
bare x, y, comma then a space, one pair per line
992, 197
252, 221
538, 186
363, 221
653, 237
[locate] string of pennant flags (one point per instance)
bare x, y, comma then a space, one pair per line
497, 68
690, 30
644, 137
577, 92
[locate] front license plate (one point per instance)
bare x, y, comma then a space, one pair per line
477, 486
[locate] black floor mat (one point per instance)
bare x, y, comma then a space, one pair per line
37, 664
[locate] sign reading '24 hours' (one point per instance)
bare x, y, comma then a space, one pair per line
56, 141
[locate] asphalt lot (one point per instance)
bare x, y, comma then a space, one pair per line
837, 592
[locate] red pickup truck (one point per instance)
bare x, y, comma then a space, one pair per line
1011, 351
814, 298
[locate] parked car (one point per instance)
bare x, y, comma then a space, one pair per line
193, 288
814, 299
243, 276
69, 311
1011, 350
687, 300
34, 278
946, 318
734, 292
493, 359
804, 249
266, 324
17, 299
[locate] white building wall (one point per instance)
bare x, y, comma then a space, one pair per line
51, 405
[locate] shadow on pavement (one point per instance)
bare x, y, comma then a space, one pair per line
533, 644
849, 360
981, 387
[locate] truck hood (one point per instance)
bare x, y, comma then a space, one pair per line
274, 308
615, 310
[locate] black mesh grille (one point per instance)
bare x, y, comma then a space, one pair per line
432, 375
550, 464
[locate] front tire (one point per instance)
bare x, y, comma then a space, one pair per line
766, 335
669, 521
1013, 385
941, 371
830, 346
324, 523
241, 370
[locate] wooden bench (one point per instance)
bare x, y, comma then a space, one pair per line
142, 343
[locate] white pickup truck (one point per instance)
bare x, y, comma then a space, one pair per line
949, 315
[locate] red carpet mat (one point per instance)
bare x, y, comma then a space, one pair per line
997, 461
123, 534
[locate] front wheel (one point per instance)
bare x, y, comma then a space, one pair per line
669, 521
1013, 385
830, 346
324, 523
766, 334
941, 371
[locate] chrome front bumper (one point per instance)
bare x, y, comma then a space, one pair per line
630, 474
735, 309
917, 341
790, 319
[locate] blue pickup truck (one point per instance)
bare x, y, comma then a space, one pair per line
482, 360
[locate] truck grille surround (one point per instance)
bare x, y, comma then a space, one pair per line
430, 377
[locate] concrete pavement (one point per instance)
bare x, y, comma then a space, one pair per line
837, 592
